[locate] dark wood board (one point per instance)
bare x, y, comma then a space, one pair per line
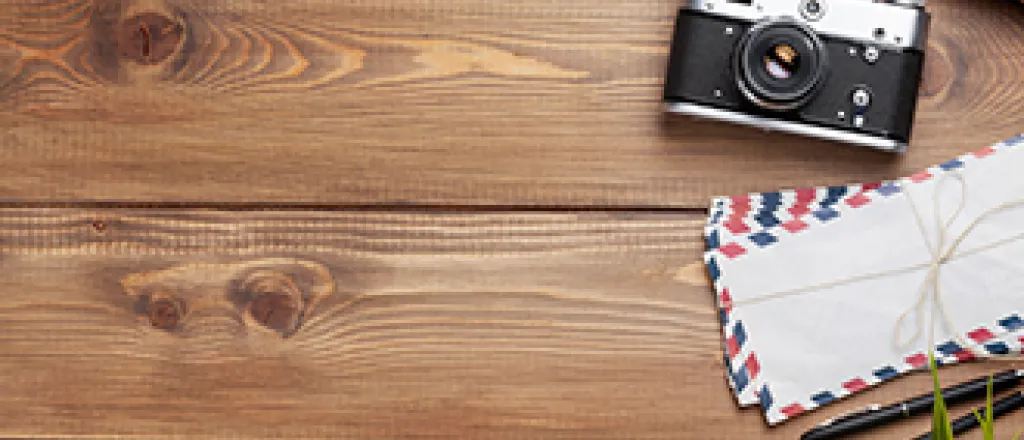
428, 102
503, 326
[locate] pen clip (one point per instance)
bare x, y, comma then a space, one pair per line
865, 410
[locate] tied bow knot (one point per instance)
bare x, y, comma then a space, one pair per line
943, 250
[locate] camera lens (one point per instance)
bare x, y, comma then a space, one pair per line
782, 61
779, 64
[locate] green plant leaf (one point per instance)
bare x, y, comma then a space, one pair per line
987, 427
942, 428
987, 421
990, 426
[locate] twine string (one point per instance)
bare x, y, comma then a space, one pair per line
942, 251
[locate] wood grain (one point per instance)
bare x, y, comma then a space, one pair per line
427, 102
403, 325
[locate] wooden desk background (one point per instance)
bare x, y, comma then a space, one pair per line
509, 225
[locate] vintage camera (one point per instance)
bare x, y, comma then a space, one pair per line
844, 70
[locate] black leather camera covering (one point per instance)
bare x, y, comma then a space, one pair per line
701, 62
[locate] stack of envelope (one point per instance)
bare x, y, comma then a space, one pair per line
825, 292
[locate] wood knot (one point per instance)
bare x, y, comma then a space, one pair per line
148, 38
275, 301
99, 226
165, 313
276, 311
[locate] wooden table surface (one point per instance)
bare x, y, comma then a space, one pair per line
408, 219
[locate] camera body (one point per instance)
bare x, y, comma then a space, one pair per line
843, 70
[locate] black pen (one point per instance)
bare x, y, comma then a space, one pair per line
1000, 408
878, 416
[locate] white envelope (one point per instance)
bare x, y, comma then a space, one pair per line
804, 350
737, 218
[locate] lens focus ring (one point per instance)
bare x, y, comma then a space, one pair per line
779, 64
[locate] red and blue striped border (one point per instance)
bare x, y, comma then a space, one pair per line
947, 353
735, 336
773, 230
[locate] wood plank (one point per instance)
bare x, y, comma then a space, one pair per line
467, 102
368, 325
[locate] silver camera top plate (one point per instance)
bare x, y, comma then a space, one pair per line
899, 23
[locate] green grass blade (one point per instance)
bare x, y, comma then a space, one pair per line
989, 427
942, 428
987, 422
